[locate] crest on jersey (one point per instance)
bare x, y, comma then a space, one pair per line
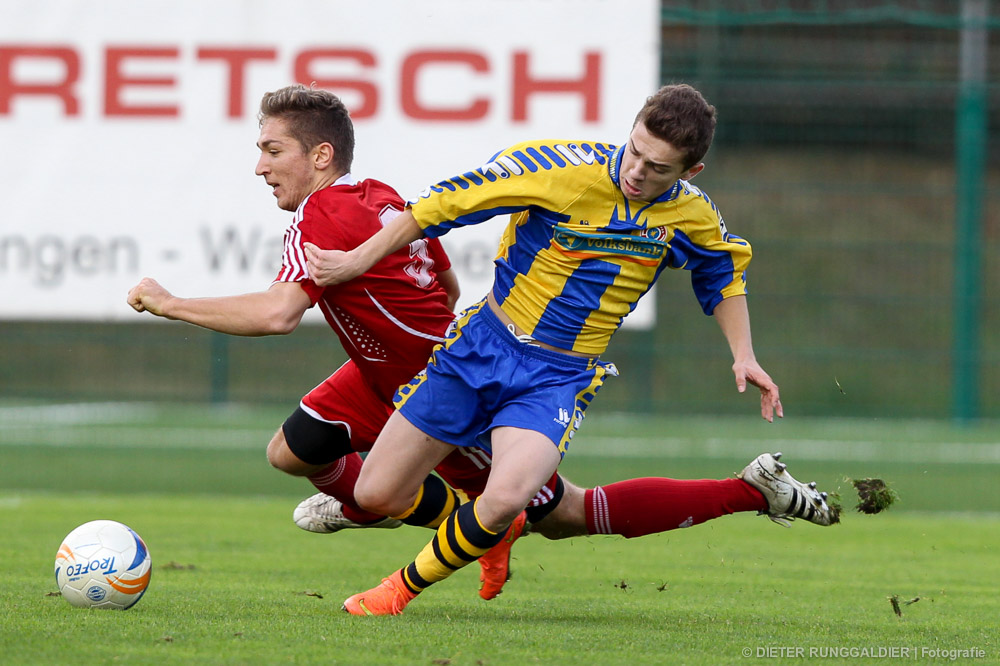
656, 233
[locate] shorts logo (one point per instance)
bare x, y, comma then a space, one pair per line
563, 417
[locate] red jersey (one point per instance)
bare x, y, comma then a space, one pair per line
390, 318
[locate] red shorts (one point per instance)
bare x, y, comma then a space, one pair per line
346, 399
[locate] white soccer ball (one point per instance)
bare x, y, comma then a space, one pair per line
103, 564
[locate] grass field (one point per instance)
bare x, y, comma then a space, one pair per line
234, 582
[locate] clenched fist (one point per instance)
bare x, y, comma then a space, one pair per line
148, 296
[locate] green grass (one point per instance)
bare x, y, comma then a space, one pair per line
695, 596
234, 582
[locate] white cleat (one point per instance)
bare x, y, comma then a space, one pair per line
325, 515
787, 499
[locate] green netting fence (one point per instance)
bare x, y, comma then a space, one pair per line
857, 150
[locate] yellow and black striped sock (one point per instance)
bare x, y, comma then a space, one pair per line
435, 502
460, 540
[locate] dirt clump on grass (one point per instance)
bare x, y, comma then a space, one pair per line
874, 496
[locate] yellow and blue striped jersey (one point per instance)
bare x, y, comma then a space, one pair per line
577, 255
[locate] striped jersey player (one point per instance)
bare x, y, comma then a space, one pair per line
592, 226
577, 254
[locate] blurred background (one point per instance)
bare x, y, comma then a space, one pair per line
857, 150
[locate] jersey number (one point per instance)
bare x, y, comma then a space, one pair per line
421, 263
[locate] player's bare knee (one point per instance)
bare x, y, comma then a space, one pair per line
275, 449
380, 500
366, 498
498, 507
281, 457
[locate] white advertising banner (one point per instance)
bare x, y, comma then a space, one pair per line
129, 128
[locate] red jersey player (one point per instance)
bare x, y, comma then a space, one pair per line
388, 322
398, 310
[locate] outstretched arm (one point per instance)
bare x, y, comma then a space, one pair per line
276, 311
734, 320
328, 267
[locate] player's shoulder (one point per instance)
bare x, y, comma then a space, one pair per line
695, 206
322, 209
559, 153
693, 197
377, 187
368, 193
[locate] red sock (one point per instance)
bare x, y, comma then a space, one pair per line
338, 481
638, 507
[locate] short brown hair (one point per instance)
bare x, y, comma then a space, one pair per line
314, 116
679, 115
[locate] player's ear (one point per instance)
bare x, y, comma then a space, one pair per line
323, 155
693, 171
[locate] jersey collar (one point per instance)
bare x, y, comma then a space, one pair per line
346, 179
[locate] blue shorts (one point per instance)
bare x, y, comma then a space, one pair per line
482, 377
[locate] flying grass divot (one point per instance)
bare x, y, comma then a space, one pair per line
874, 496
897, 604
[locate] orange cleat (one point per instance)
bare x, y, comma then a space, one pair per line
389, 598
494, 565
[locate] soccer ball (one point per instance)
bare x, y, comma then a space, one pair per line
103, 564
